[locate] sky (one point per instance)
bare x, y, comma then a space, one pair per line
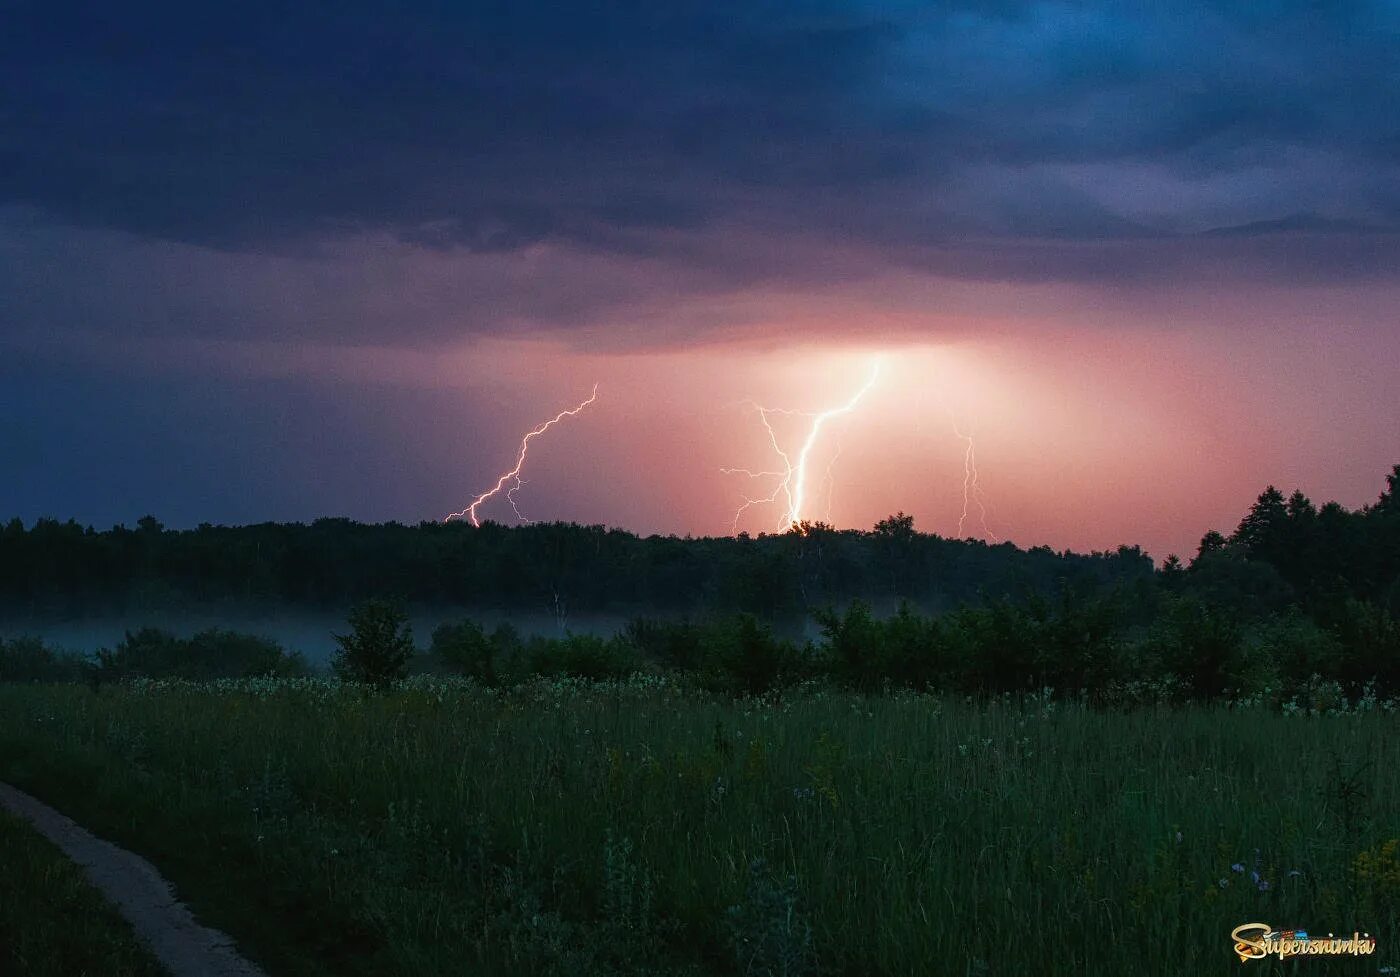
283, 261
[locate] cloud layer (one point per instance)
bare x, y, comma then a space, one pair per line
270, 260
593, 162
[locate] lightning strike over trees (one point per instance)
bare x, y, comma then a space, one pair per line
972, 492
513, 476
792, 477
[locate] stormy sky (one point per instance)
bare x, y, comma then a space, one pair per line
276, 261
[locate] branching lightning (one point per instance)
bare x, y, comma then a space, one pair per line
513, 476
972, 492
792, 477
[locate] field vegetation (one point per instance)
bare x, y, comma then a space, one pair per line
1100, 770
645, 826
52, 923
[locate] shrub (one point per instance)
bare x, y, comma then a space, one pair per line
583, 656
1297, 649
1370, 640
146, 652
997, 647
466, 647
1204, 646
230, 654
378, 647
1080, 641
30, 660
211, 654
746, 656
854, 645
675, 644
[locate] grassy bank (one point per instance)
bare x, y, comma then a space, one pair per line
642, 828
52, 923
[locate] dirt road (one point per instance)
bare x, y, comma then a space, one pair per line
139, 893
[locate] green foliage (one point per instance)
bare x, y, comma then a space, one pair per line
565, 828
378, 647
582, 656
468, 649
1203, 646
854, 644
1080, 641
673, 644
768, 932
1001, 647
1370, 641
26, 659
1297, 649
211, 654
745, 656
54, 924
734, 653
65, 567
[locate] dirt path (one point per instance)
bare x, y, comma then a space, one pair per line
138, 892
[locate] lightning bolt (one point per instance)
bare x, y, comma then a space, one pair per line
514, 474
829, 481
972, 492
792, 478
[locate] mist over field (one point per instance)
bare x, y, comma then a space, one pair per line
296, 629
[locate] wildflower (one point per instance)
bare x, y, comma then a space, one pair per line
1237, 867
1178, 837
1293, 873
1263, 885
1224, 883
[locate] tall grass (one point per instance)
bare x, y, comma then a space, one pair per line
640, 827
52, 922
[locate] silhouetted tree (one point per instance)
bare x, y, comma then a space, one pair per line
379, 645
1389, 502
1211, 542
1263, 533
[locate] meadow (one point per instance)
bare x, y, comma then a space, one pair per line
646, 826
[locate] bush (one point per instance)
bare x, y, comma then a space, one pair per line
1370, 640
211, 654
1080, 642
746, 657
1203, 646
378, 647
1297, 649
854, 645
674, 644
231, 654
30, 660
145, 653
583, 656
997, 646
466, 647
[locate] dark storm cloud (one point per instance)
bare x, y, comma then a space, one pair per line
485, 125
1008, 141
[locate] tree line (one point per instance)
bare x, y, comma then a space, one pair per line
63, 568
1297, 599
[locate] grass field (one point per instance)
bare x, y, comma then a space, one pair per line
643, 828
52, 923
